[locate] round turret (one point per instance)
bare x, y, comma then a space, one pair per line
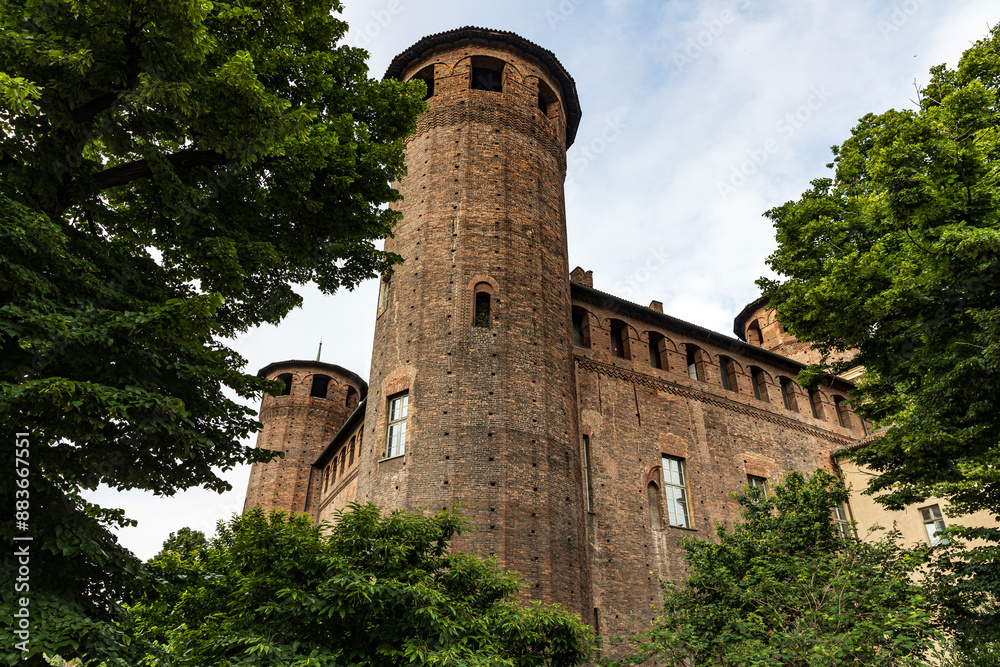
472, 397
317, 399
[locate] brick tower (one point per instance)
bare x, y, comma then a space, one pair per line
318, 398
472, 393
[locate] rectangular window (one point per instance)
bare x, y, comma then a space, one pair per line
395, 436
933, 524
587, 500
755, 482
842, 518
675, 490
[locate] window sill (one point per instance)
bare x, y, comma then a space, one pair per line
392, 458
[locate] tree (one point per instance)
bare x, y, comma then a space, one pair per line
169, 171
783, 587
898, 257
376, 590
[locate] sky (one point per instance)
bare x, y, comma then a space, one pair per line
698, 117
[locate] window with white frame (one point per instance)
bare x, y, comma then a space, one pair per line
933, 524
395, 432
842, 519
758, 483
675, 491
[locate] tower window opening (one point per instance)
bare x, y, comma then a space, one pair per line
588, 503
655, 356
675, 492
352, 398
727, 368
395, 436
843, 413
816, 403
427, 76
320, 385
547, 100
788, 393
581, 327
759, 382
619, 339
385, 291
695, 363
482, 305
287, 379
487, 74
753, 334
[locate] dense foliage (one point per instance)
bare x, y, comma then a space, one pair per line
784, 587
377, 590
168, 171
898, 258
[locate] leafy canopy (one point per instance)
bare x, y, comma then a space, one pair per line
168, 171
898, 257
375, 590
784, 587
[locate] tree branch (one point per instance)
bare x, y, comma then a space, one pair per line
126, 173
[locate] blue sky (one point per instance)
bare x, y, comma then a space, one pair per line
697, 118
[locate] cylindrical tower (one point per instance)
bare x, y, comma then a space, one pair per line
318, 398
473, 399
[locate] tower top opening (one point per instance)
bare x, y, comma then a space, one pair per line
431, 43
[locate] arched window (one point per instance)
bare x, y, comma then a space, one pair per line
655, 350
816, 403
482, 305
759, 381
333, 467
653, 499
695, 362
581, 327
350, 456
427, 76
727, 369
320, 384
343, 461
788, 393
352, 398
287, 379
753, 334
326, 478
843, 413
487, 74
619, 339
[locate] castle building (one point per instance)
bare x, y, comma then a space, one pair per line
582, 435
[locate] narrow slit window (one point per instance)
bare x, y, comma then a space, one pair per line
675, 492
587, 494
816, 403
350, 454
385, 292
320, 385
655, 356
619, 338
788, 393
843, 413
759, 381
482, 318
581, 327
395, 437
727, 369
326, 478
